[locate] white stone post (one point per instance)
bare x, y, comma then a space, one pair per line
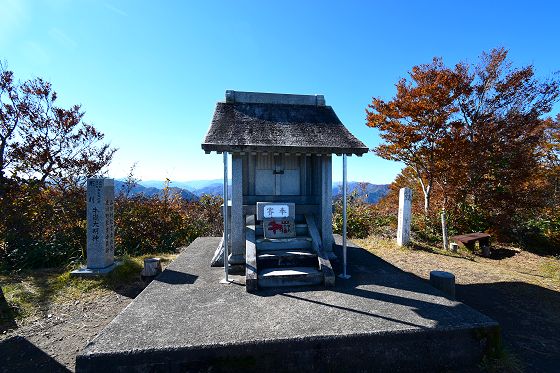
100, 223
405, 204
444, 230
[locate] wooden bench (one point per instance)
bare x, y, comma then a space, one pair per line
469, 240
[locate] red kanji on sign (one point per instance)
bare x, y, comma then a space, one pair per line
274, 226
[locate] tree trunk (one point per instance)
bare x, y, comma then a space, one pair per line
426, 202
427, 195
426, 189
2, 151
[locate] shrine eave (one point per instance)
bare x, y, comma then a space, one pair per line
279, 128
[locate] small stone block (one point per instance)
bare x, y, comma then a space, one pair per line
454, 247
279, 228
443, 281
152, 267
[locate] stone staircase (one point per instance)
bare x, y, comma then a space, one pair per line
286, 262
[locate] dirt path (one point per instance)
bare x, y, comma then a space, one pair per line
51, 342
518, 289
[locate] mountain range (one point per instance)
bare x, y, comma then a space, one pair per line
371, 193
192, 190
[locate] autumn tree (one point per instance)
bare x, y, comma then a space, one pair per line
43, 142
550, 160
13, 110
478, 133
417, 124
46, 151
501, 111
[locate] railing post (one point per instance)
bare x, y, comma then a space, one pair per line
226, 220
344, 274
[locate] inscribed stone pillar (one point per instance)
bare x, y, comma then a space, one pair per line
100, 223
405, 204
326, 205
237, 223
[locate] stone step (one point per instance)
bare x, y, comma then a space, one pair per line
286, 258
301, 242
294, 276
301, 230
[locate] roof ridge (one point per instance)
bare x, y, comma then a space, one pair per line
273, 98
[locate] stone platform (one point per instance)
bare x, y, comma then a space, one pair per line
380, 319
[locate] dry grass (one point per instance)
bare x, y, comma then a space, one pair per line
30, 295
507, 264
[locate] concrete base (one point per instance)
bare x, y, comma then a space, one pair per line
94, 272
378, 320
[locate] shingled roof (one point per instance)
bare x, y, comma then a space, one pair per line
281, 123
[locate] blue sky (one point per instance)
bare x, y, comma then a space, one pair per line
148, 73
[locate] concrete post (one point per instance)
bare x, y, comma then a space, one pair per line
444, 230
405, 204
237, 255
344, 274
226, 222
444, 281
326, 206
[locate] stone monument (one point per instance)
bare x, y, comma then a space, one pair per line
405, 204
100, 228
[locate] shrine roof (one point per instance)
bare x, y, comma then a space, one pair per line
249, 122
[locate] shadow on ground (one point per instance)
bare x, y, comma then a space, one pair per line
391, 286
172, 277
129, 290
7, 315
500, 253
529, 317
20, 355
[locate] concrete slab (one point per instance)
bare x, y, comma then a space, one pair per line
381, 318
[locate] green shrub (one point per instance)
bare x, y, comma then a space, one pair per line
46, 226
363, 219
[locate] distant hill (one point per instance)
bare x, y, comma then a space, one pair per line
153, 191
188, 185
372, 192
215, 189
